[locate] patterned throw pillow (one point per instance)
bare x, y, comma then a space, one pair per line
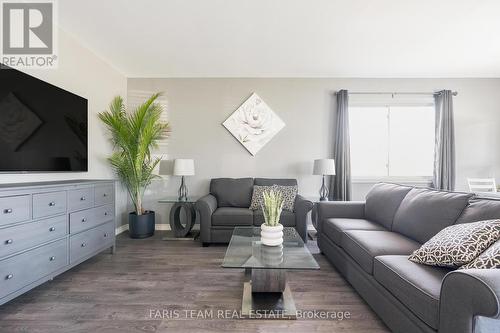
288, 192
256, 202
458, 244
488, 259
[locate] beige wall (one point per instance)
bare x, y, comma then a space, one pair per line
83, 73
197, 107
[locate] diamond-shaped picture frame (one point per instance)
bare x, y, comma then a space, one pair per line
254, 124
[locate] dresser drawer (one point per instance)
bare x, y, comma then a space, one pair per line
87, 242
82, 220
24, 236
104, 194
46, 204
90, 218
14, 209
80, 199
104, 213
21, 270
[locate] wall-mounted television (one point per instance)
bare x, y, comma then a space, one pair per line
43, 128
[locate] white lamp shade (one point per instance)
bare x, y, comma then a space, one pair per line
325, 166
183, 167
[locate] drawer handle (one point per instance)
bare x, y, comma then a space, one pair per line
52, 204
9, 241
52, 229
84, 244
9, 277
84, 220
7, 211
83, 199
104, 195
105, 235
52, 258
105, 213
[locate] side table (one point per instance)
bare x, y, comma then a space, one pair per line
314, 216
179, 230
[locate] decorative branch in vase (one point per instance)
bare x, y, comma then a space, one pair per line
271, 233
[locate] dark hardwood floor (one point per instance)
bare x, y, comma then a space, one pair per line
153, 278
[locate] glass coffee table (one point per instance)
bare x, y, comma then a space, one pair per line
266, 294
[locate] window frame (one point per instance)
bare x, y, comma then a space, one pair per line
388, 102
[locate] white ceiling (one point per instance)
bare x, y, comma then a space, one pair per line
290, 38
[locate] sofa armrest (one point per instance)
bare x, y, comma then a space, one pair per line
466, 294
340, 209
302, 207
206, 206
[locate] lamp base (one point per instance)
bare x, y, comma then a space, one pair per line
323, 191
183, 191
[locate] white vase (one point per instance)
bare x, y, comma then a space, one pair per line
272, 255
271, 236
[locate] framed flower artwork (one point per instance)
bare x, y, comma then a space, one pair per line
254, 124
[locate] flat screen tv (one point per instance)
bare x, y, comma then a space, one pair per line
43, 128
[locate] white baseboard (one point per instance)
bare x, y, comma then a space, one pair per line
124, 228
121, 229
162, 226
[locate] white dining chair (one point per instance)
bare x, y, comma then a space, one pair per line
482, 185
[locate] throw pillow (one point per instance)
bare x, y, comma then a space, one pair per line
458, 244
288, 193
256, 202
488, 259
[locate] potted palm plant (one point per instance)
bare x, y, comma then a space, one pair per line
134, 134
271, 233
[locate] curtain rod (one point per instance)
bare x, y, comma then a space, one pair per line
454, 93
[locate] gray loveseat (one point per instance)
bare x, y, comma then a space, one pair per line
227, 206
369, 243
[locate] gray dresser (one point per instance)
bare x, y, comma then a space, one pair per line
47, 228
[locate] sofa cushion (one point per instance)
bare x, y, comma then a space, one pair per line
275, 181
335, 227
480, 210
423, 213
364, 245
487, 260
458, 244
287, 218
231, 216
232, 192
416, 286
383, 201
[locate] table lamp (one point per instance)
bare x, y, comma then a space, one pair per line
324, 167
183, 167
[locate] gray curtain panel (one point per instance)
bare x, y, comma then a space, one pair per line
444, 154
341, 182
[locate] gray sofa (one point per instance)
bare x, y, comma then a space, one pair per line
227, 206
369, 243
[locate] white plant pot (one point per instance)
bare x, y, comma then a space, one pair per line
272, 255
271, 236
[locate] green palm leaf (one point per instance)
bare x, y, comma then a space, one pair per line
134, 135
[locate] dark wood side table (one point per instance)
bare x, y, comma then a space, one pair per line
178, 229
314, 216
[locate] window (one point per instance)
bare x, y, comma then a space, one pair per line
392, 141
